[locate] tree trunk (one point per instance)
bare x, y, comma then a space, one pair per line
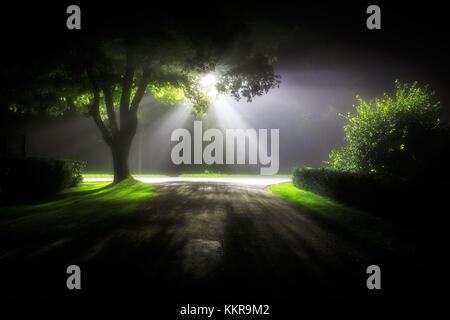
120, 149
140, 136
119, 139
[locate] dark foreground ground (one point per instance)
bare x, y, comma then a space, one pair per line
222, 240
217, 242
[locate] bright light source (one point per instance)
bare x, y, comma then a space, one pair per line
208, 80
208, 85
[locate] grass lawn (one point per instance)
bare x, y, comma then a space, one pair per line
110, 175
204, 174
355, 224
221, 175
73, 217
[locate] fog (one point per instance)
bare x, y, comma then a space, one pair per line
315, 87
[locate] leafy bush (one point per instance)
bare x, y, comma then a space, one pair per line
390, 162
398, 137
24, 178
77, 172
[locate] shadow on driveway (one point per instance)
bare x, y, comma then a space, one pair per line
224, 241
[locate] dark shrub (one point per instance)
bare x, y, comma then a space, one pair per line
25, 178
359, 190
395, 199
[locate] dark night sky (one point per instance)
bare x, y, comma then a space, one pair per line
331, 58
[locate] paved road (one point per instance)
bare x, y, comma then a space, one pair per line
224, 240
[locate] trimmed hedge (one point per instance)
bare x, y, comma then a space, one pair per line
360, 190
24, 178
401, 201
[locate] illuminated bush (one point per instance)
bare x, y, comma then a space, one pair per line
396, 136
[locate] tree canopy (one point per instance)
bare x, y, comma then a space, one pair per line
105, 74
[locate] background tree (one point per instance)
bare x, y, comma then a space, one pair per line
398, 136
106, 74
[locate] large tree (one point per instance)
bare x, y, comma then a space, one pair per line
105, 75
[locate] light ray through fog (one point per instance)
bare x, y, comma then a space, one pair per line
304, 108
159, 140
227, 117
70, 137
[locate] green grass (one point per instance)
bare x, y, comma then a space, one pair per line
110, 175
356, 225
204, 174
220, 175
75, 216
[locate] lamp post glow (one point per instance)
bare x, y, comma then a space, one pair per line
208, 85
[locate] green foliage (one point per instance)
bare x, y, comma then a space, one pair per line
167, 94
106, 76
77, 172
253, 78
391, 136
172, 64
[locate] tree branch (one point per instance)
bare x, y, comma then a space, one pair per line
110, 108
127, 84
94, 109
142, 86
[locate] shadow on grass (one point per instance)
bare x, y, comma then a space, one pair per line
84, 189
358, 226
68, 220
80, 190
